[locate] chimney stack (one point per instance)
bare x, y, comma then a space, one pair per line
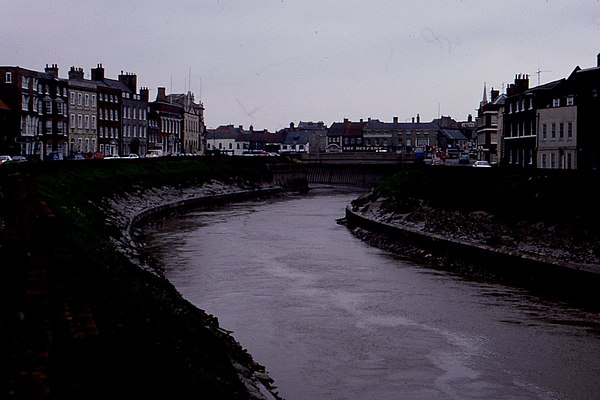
598, 60
129, 80
162, 94
145, 94
76, 73
495, 94
98, 73
418, 119
395, 120
53, 70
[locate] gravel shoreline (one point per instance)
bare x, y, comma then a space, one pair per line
552, 245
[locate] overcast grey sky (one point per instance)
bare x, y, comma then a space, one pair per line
267, 63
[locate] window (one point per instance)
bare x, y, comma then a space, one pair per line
72, 98
553, 133
48, 107
570, 100
25, 83
552, 160
93, 100
561, 130
79, 97
79, 121
8, 78
569, 130
544, 131
544, 161
556, 103
87, 122
48, 127
569, 161
25, 105
87, 100
72, 121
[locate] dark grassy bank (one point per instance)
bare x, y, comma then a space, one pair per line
568, 199
78, 319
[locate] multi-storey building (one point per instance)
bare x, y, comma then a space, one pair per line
83, 113
165, 121
583, 91
193, 140
33, 112
134, 138
520, 131
346, 136
307, 137
487, 126
382, 136
553, 125
109, 113
226, 139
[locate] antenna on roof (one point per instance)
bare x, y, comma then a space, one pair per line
539, 73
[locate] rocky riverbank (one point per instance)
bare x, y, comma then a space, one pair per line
554, 244
129, 211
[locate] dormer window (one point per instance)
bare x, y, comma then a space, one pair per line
8, 77
570, 100
556, 103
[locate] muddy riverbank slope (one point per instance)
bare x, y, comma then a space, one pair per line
84, 314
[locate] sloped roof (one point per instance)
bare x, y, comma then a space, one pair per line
354, 129
453, 134
261, 136
336, 129
501, 99
297, 137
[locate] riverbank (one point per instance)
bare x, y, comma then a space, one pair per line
84, 312
530, 234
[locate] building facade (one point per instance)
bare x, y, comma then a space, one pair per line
83, 114
488, 134
33, 112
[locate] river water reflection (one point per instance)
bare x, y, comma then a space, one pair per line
333, 318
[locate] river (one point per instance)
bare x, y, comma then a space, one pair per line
334, 318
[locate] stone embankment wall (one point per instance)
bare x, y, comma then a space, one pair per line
461, 247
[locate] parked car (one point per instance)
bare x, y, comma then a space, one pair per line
133, 155
154, 153
437, 161
20, 158
4, 159
482, 163
54, 156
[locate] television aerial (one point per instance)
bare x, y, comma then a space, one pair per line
539, 74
